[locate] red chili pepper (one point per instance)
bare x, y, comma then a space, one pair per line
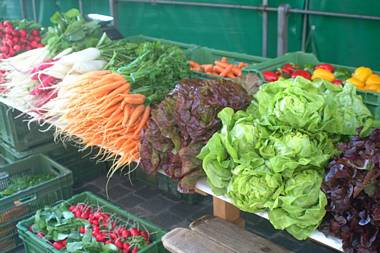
325, 66
287, 69
270, 76
337, 82
302, 73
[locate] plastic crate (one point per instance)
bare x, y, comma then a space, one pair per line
17, 133
24, 203
80, 163
142, 38
170, 187
33, 244
300, 58
204, 55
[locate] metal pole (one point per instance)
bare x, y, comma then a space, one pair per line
34, 8
80, 3
282, 29
113, 12
249, 7
23, 8
265, 30
304, 27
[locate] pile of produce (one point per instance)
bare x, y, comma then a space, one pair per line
86, 228
17, 36
272, 156
353, 193
365, 79
322, 71
220, 68
20, 183
71, 30
182, 123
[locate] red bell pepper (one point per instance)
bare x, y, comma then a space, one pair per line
270, 76
302, 73
325, 66
287, 69
337, 82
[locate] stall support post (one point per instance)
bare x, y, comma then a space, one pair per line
282, 29
34, 9
113, 12
227, 211
80, 3
23, 8
264, 42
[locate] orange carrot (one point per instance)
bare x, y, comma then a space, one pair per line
143, 120
222, 64
218, 69
136, 113
236, 71
226, 71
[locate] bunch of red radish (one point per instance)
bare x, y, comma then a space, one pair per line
3, 79
17, 37
104, 229
43, 91
100, 224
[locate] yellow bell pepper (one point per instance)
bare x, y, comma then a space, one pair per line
373, 80
359, 84
362, 74
323, 74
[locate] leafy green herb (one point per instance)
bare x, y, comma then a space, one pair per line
71, 30
23, 182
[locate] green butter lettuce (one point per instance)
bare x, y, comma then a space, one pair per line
301, 207
272, 155
255, 188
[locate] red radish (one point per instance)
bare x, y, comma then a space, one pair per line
145, 234
135, 249
119, 243
64, 242
100, 237
40, 235
82, 230
35, 32
23, 33
31, 229
58, 245
17, 47
134, 231
113, 235
126, 234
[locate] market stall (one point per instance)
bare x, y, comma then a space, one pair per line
291, 139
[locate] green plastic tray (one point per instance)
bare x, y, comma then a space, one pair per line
17, 133
142, 38
170, 187
33, 244
80, 163
24, 203
204, 55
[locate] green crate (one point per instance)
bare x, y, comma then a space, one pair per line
10, 242
17, 133
80, 163
24, 203
300, 58
170, 187
142, 38
34, 244
204, 55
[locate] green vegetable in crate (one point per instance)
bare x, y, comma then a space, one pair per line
20, 183
84, 228
71, 30
301, 206
155, 70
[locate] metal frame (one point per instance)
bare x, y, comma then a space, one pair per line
283, 12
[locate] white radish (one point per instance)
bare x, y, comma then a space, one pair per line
63, 53
87, 66
87, 54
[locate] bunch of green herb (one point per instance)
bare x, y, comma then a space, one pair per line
20, 183
155, 70
71, 30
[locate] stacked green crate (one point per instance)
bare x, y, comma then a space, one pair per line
24, 203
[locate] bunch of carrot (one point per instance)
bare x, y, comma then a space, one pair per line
220, 68
106, 114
